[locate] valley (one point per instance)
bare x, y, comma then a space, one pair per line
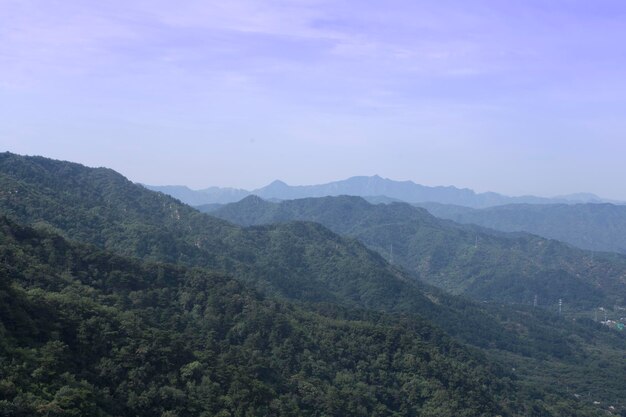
157, 249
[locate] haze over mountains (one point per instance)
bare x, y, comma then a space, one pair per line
119, 301
362, 186
475, 261
481, 274
599, 227
583, 220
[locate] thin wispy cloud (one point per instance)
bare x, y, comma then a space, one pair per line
313, 73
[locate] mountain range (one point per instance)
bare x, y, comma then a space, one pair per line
86, 332
119, 301
593, 226
374, 186
296, 260
471, 260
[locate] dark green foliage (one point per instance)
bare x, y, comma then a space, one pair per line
481, 263
300, 261
85, 332
98, 206
328, 275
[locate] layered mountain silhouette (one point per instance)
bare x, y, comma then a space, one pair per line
599, 227
480, 262
374, 187
271, 319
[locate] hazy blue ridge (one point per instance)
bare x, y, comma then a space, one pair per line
375, 188
307, 263
593, 226
212, 195
479, 262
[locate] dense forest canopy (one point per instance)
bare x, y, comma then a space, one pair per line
115, 300
86, 332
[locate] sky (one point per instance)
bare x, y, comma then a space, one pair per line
517, 97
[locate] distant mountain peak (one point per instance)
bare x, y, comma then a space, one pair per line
278, 183
384, 189
251, 199
581, 197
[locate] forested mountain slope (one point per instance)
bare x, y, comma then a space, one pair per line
600, 227
308, 263
88, 333
300, 261
482, 263
297, 260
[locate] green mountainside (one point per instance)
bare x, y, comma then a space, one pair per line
328, 277
88, 333
470, 260
599, 227
297, 260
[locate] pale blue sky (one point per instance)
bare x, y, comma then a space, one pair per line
519, 97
